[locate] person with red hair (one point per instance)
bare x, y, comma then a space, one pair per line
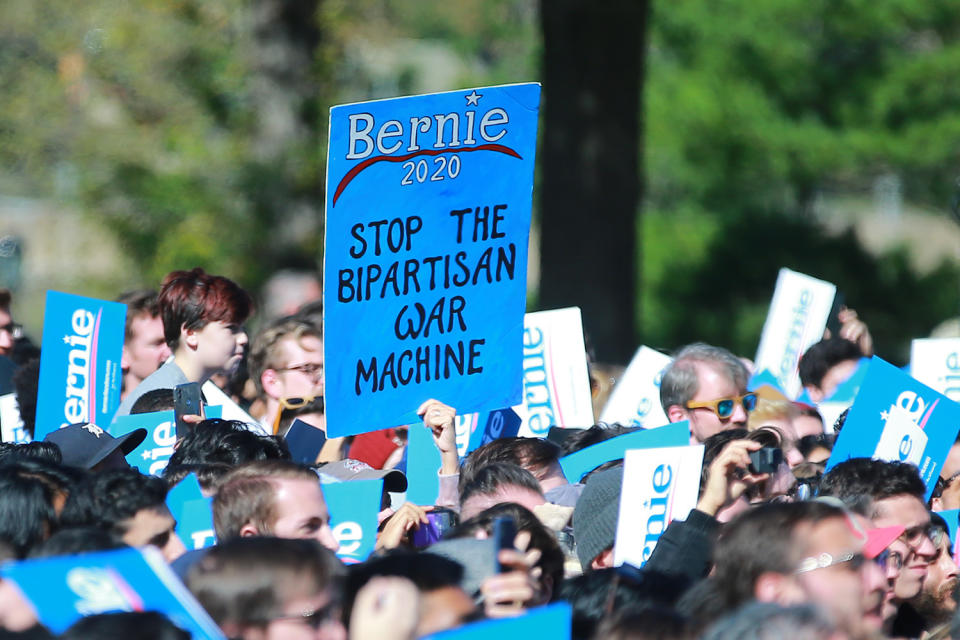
203, 318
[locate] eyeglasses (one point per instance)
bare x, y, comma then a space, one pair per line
914, 535
15, 330
290, 404
853, 560
889, 560
724, 406
312, 369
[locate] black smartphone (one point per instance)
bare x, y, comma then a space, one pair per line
439, 521
833, 320
765, 460
504, 532
186, 401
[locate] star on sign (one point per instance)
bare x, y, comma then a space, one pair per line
473, 98
92, 428
66, 339
884, 415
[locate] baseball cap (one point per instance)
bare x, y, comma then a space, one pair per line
84, 444
394, 480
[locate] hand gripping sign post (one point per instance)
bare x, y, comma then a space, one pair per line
425, 254
798, 315
897, 418
79, 361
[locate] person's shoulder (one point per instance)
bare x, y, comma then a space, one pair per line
167, 376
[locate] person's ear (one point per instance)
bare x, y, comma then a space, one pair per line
773, 587
604, 559
271, 383
189, 337
124, 360
676, 413
249, 530
814, 392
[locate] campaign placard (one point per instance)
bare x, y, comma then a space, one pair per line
425, 258
63, 589
304, 441
423, 466
936, 363
79, 361
552, 621
635, 401
151, 455
556, 384
193, 512
895, 417
354, 506
11, 423
796, 320
659, 486
503, 423
578, 464
226, 408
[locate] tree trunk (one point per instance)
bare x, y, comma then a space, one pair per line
590, 162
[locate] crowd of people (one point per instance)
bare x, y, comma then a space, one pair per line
795, 552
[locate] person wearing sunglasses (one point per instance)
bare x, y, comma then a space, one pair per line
10, 331
937, 602
706, 385
286, 365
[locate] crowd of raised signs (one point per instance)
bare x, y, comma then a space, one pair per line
214, 504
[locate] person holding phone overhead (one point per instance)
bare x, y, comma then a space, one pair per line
203, 318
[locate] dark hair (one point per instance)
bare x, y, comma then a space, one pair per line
533, 454
209, 475
551, 556
594, 435
27, 515
60, 479
760, 540
644, 623
246, 581
143, 625
823, 356
856, 478
139, 303
26, 380
427, 571
771, 621
108, 499
74, 540
152, 401
595, 594
37, 450
840, 421
489, 479
193, 299
226, 442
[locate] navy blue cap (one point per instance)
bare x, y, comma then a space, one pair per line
84, 444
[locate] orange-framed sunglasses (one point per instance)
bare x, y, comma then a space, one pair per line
724, 407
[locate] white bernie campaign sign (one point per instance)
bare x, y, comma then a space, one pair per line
798, 315
10, 420
936, 363
556, 385
635, 400
659, 486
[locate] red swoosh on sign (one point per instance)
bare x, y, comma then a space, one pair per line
499, 148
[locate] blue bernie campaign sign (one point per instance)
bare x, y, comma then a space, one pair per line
193, 512
552, 621
425, 253
423, 466
152, 455
65, 588
503, 423
578, 464
79, 361
895, 417
354, 506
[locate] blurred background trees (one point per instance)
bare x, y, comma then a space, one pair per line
821, 135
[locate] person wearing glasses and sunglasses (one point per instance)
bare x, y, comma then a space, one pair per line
286, 365
890, 494
706, 385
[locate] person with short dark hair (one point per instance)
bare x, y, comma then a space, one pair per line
497, 483
143, 625
272, 498
38, 450
70, 541
153, 401
226, 442
27, 512
827, 364
144, 345
538, 456
203, 318
768, 621
263, 588
707, 386
128, 504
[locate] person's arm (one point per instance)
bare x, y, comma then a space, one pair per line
441, 420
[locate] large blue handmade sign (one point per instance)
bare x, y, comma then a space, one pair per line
425, 259
79, 362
